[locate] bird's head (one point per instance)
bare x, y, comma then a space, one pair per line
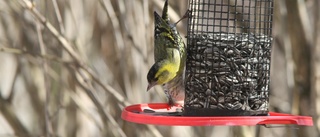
160, 73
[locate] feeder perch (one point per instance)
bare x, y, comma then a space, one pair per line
227, 76
159, 114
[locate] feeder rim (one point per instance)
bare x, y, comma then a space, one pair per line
134, 113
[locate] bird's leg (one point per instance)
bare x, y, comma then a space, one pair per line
186, 15
170, 100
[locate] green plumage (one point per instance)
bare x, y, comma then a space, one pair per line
167, 40
170, 56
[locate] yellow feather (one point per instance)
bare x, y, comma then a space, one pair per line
169, 67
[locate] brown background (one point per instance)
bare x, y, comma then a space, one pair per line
68, 68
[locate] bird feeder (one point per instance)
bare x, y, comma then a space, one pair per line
229, 53
227, 78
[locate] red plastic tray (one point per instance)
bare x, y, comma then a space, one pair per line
159, 114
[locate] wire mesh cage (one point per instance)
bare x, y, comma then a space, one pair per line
229, 53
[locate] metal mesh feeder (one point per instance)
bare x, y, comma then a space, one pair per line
228, 60
227, 70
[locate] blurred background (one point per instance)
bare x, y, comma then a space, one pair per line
69, 67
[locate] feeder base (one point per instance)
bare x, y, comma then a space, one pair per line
219, 112
162, 114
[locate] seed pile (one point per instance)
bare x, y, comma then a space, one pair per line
228, 71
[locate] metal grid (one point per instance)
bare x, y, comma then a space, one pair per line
228, 62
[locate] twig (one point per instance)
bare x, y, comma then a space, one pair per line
12, 119
56, 112
288, 49
305, 22
81, 105
22, 52
85, 83
95, 79
107, 6
49, 130
64, 43
119, 97
315, 66
58, 14
9, 115
11, 50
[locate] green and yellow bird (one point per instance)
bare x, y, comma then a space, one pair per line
170, 56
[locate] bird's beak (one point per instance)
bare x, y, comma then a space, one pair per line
150, 85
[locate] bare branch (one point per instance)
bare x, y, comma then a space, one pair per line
58, 14
85, 83
107, 6
65, 44
23, 52
49, 130
15, 123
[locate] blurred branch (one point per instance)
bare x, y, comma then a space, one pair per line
12, 50
315, 66
83, 69
305, 21
49, 130
81, 105
64, 43
300, 30
12, 119
58, 14
301, 56
84, 82
107, 7
286, 42
6, 110
245, 26
23, 52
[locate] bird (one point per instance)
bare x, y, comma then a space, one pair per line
169, 56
